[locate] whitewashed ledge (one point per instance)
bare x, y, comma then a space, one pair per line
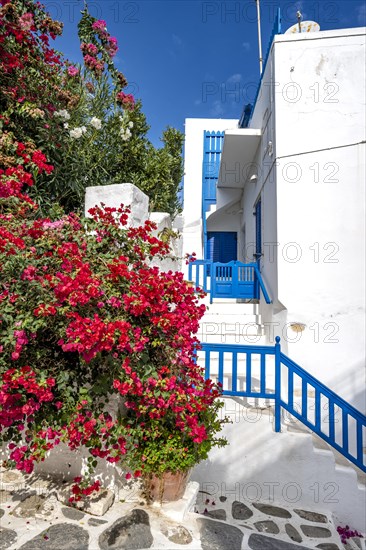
115, 195
129, 195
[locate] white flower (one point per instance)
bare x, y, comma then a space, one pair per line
66, 124
76, 133
96, 122
63, 113
130, 124
83, 129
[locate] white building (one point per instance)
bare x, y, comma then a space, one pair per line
299, 167
284, 190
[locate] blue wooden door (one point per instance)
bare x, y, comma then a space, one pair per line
221, 247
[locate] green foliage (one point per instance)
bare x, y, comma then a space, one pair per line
164, 448
120, 151
114, 150
156, 171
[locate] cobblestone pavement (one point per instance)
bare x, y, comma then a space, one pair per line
32, 519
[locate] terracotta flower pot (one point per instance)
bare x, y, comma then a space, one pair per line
167, 488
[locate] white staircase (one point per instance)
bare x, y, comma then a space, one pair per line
292, 425
231, 322
292, 468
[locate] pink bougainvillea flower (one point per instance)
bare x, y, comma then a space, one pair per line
72, 71
126, 100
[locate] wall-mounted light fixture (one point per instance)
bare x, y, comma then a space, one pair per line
298, 327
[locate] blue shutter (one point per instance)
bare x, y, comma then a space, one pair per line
222, 246
229, 245
212, 148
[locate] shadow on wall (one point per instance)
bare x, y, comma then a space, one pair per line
348, 385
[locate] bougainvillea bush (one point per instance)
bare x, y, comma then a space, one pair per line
83, 317
34, 83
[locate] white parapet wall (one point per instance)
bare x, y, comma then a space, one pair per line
163, 222
131, 196
115, 195
193, 161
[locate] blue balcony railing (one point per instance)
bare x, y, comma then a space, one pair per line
264, 372
277, 29
231, 280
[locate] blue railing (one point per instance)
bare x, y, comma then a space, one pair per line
198, 273
264, 372
230, 280
275, 30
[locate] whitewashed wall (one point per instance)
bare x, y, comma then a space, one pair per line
313, 203
193, 159
129, 195
115, 195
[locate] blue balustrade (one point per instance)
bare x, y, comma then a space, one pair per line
231, 280
275, 30
198, 274
233, 366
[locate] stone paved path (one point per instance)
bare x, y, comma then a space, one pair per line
36, 520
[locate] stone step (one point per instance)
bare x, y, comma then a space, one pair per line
320, 445
245, 335
288, 460
296, 425
230, 306
228, 324
231, 317
241, 514
341, 460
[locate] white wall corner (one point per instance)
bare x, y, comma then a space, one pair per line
117, 194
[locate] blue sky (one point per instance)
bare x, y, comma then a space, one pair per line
193, 58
